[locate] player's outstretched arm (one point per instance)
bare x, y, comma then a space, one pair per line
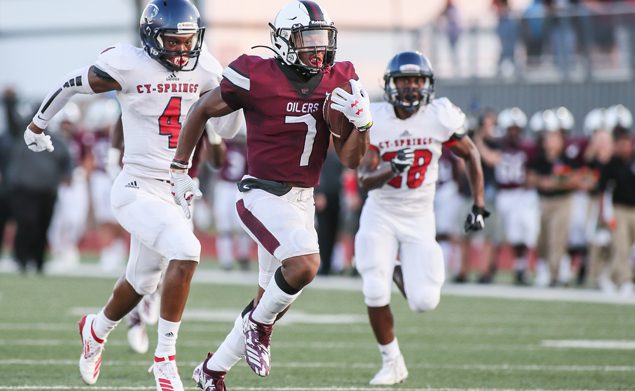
466, 149
87, 80
183, 187
208, 106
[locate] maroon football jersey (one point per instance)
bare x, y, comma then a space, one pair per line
235, 165
511, 170
287, 136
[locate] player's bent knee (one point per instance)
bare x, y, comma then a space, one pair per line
174, 243
303, 267
145, 285
424, 300
376, 293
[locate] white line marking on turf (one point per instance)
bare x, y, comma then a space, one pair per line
351, 284
589, 344
113, 388
229, 315
340, 365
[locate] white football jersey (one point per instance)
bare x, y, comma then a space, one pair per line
425, 132
154, 103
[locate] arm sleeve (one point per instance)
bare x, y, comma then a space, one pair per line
73, 83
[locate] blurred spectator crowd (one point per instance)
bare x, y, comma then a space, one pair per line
570, 38
561, 193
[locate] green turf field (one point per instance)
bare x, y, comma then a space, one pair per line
326, 344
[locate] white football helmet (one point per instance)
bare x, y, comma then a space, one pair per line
512, 117
303, 26
618, 115
536, 123
550, 121
595, 120
565, 118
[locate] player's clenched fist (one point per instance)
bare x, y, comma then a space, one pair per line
38, 142
184, 189
476, 219
404, 159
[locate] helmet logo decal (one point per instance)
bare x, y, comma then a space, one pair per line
151, 12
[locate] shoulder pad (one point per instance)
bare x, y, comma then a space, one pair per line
209, 63
449, 116
346, 69
243, 64
120, 57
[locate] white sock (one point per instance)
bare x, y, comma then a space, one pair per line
231, 350
389, 351
168, 333
102, 326
273, 302
225, 250
447, 256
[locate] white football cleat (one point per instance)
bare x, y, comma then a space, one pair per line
257, 345
92, 348
138, 338
208, 380
392, 372
166, 374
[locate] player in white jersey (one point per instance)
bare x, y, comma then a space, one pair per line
156, 85
232, 242
400, 170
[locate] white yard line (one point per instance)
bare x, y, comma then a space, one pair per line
589, 344
204, 276
141, 388
341, 365
197, 343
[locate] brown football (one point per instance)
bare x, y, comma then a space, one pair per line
337, 122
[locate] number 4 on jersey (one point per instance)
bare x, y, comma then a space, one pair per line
169, 124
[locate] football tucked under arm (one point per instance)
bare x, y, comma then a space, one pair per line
338, 124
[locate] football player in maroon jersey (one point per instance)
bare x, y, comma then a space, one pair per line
287, 140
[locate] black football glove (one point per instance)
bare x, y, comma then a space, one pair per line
404, 159
476, 219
